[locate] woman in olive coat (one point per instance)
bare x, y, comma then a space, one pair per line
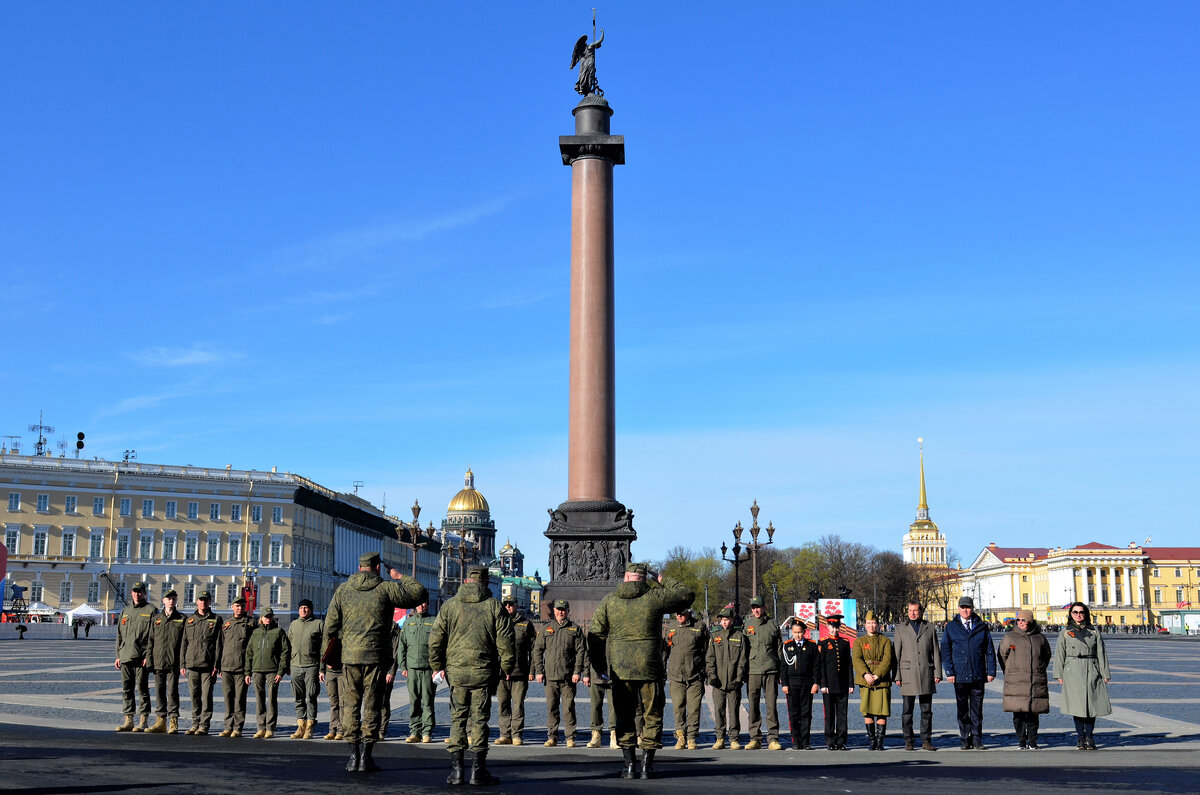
1024, 655
1081, 667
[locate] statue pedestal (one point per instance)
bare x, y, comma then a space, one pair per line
589, 549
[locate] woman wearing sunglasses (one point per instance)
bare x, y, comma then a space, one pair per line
1081, 667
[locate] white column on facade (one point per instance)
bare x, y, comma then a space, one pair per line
1112, 585
1141, 589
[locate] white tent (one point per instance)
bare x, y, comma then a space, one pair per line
82, 613
40, 609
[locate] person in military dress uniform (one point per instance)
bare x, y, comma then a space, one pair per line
726, 666
472, 642
686, 647
200, 656
629, 620
412, 657
798, 675
835, 676
359, 619
763, 636
268, 655
874, 662
510, 692
559, 663
166, 639
235, 633
133, 658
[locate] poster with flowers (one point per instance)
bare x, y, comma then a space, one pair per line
805, 611
847, 608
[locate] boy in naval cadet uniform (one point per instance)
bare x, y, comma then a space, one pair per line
835, 675
799, 679
133, 658
726, 663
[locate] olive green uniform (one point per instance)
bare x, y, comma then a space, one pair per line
874, 654
267, 655
629, 620
472, 641
558, 657
412, 655
133, 652
166, 637
727, 666
763, 682
200, 654
304, 638
686, 648
510, 693
235, 633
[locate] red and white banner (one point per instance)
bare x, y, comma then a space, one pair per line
805, 611
847, 609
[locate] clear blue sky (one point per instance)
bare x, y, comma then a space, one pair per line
334, 238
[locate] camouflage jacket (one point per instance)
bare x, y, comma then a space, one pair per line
685, 647
166, 636
201, 648
597, 655
133, 633
629, 620
472, 638
523, 637
360, 616
728, 659
268, 651
304, 637
558, 652
765, 644
235, 634
412, 643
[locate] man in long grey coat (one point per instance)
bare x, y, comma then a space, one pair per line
918, 671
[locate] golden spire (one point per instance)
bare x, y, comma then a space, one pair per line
923, 503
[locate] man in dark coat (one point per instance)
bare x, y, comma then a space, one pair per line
969, 661
835, 677
918, 672
798, 676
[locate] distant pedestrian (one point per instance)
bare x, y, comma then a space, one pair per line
1024, 656
918, 672
75, 629
969, 661
1081, 667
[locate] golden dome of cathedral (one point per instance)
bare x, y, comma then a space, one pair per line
468, 500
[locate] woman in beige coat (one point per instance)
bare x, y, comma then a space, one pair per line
1024, 656
1081, 667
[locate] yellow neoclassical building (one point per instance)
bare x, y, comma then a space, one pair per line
924, 546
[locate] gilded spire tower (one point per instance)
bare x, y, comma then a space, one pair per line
924, 544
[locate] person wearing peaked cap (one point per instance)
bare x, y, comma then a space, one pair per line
835, 678
266, 662
511, 690
166, 637
559, 663
358, 624
200, 660
765, 643
235, 634
725, 665
134, 645
685, 644
472, 642
411, 659
969, 660
874, 661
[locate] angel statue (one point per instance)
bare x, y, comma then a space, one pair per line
584, 54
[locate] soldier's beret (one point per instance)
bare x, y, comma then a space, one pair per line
562, 604
756, 602
140, 587
171, 594
479, 573
239, 601
725, 613
637, 568
306, 603
368, 559
205, 595
268, 613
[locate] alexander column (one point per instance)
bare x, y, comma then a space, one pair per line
591, 532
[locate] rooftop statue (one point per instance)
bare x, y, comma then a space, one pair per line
584, 54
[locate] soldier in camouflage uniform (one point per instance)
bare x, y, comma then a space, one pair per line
235, 633
200, 656
599, 691
629, 620
411, 654
166, 638
304, 637
686, 647
765, 645
510, 692
472, 641
727, 662
133, 657
360, 619
559, 662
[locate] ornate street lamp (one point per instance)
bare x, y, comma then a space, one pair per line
737, 560
755, 545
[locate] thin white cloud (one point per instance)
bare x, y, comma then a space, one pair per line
514, 300
332, 319
199, 353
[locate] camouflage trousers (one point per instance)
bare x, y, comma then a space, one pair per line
333, 690
597, 697
686, 698
510, 697
627, 694
135, 677
234, 688
361, 689
166, 693
470, 711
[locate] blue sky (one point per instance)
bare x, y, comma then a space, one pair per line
335, 239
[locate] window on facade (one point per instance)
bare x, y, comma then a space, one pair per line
169, 547
214, 549
277, 515
1024, 598
12, 540
214, 511
274, 594
126, 506
189, 549
172, 509
235, 513
277, 550
95, 543
146, 547
189, 593
256, 514
68, 544
1158, 596
64, 593
71, 505
1024, 578
255, 550
14, 501
235, 550
193, 510
122, 546
1178, 573
97, 506
231, 593
37, 591
1178, 594
1153, 572
1091, 594
93, 592
43, 503
147, 509
39, 543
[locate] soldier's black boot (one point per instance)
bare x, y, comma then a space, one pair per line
367, 764
647, 764
456, 768
480, 777
355, 763
630, 755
